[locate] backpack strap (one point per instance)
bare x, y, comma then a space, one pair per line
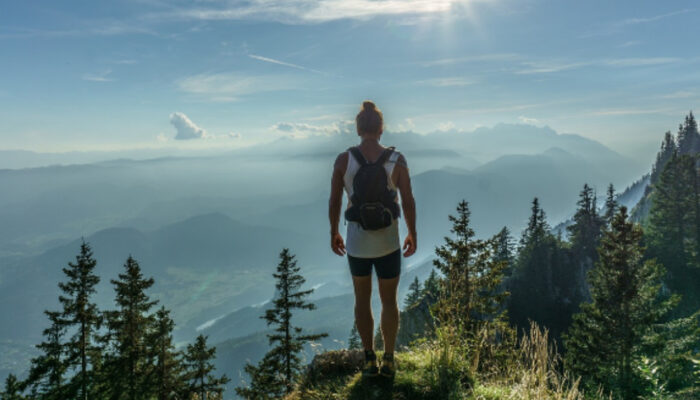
385, 155
355, 151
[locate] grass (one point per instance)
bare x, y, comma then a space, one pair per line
437, 370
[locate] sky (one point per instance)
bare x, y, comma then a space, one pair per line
112, 75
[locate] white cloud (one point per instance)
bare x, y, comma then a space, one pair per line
186, 129
230, 86
300, 129
311, 11
406, 125
529, 121
162, 138
99, 77
446, 126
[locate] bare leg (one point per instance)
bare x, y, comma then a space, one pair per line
390, 312
363, 310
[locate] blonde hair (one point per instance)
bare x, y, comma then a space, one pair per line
370, 119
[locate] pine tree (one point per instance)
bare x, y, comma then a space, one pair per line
606, 335
504, 249
354, 342
199, 367
414, 293
289, 339
688, 137
471, 291
166, 375
46, 375
532, 291
611, 205
584, 235
80, 315
12, 389
265, 380
128, 367
669, 345
431, 286
674, 229
668, 148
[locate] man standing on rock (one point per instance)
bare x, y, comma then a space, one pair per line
373, 176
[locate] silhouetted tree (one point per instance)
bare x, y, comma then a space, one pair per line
431, 286
606, 335
46, 375
471, 290
80, 315
584, 235
128, 366
166, 377
289, 339
611, 205
688, 137
505, 249
354, 342
415, 293
199, 367
12, 389
674, 229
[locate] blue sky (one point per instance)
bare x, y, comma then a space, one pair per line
86, 75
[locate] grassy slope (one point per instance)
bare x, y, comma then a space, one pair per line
425, 374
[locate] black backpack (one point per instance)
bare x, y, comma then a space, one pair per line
373, 203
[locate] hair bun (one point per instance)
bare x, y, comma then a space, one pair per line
368, 105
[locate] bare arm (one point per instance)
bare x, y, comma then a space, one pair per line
408, 204
335, 203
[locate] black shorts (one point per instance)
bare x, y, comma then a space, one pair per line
387, 267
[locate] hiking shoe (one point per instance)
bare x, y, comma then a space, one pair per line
388, 368
370, 368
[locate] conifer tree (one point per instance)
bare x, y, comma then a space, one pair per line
674, 229
128, 366
668, 148
265, 380
611, 205
414, 293
688, 137
584, 235
606, 335
532, 294
12, 389
471, 291
80, 315
289, 339
354, 342
431, 286
166, 375
47, 372
199, 367
504, 249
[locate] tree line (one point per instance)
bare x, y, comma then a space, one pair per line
126, 353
